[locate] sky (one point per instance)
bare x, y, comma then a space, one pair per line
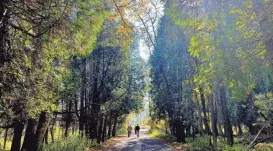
156, 11
144, 51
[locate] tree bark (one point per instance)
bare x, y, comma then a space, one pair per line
86, 108
188, 130
52, 129
16, 141
180, 131
213, 121
110, 127
82, 99
52, 134
94, 122
199, 114
46, 136
240, 131
227, 126
5, 138
41, 130
73, 128
220, 130
29, 135
104, 129
115, 125
207, 129
5, 54
68, 119
81, 120
100, 131
96, 100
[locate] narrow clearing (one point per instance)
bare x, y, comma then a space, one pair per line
143, 143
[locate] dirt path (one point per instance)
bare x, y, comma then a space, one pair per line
143, 143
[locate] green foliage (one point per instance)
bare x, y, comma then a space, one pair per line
157, 133
264, 147
224, 147
44, 70
201, 144
264, 102
72, 143
160, 134
218, 41
41, 66
8, 143
88, 22
122, 131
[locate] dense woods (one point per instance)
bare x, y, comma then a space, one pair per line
211, 69
73, 68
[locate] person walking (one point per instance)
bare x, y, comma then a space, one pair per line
129, 129
137, 128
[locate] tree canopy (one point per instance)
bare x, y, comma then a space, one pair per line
76, 66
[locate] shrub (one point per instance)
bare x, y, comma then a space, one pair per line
222, 146
189, 139
72, 143
169, 137
160, 134
156, 133
264, 147
121, 131
201, 144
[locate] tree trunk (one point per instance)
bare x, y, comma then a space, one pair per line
180, 131
199, 114
251, 115
81, 120
29, 135
227, 126
52, 128
5, 53
240, 131
252, 130
96, 100
73, 128
41, 130
173, 126
91, 129
220, 130
5, 138
68, 119
104, 129
82, 99
46, 136
195, 131
115, 125
100, 131
188, 130
52, 134
94, 122
86, 117
207, 129
213, 121
16, 141
110, 127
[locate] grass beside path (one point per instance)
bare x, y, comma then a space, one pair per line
202, 143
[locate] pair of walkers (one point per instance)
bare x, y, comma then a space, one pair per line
129, 129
